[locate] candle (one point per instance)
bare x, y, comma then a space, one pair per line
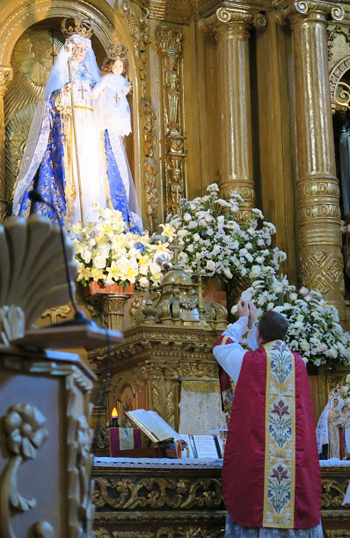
115, 421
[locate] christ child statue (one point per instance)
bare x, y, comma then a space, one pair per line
110, 94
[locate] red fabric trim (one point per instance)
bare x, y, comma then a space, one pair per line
223, 340
244, 459
224, 378
342, 444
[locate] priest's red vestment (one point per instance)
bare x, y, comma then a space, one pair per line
271, 473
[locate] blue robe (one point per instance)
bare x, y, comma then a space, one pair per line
51, 178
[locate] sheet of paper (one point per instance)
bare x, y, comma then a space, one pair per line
205, 446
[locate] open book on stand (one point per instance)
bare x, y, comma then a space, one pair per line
152, 425
161, 433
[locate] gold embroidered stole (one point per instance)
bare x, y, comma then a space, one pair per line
279, 479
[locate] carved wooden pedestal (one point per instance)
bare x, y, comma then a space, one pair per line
45, 461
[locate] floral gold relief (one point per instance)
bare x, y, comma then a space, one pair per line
24, 432
169, 46
333, 492
156, 493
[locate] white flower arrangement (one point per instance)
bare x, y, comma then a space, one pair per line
313, 325
107, 253
344, 390
212, 241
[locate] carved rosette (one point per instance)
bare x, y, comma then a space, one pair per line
231, 27
169, 46
5, 77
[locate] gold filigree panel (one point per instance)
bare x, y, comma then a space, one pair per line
333, 492
156, 493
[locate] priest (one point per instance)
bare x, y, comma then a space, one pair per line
271, 478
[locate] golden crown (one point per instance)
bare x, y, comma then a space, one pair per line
117, 52
77, 25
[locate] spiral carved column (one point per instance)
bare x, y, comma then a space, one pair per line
321, 264
232, 31
5, 78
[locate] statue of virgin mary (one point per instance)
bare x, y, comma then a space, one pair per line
67, 159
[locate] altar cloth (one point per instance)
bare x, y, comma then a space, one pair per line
158, 463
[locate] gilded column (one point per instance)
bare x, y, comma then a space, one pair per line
169, 46
231, 27
321, 264
5, 78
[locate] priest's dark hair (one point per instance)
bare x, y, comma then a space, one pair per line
272, 326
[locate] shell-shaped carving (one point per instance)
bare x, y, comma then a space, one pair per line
32, 270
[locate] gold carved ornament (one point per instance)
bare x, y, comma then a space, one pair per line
150, 167
333, 492
24, 433
169, 46
163, 532
140, 33
333, 32
157, 493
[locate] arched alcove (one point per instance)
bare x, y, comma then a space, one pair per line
29, 35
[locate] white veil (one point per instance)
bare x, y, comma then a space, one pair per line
59, 73
40, 127
322, 425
